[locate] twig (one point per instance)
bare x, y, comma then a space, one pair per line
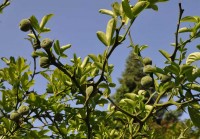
173, 56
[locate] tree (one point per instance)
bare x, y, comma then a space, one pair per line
69, 107
166, 123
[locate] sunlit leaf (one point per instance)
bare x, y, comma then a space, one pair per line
117, 8
85, 61
127, 9
88, 92
108, 12
56, 47
45, 19
139, 7
65, 47
193, 57
165, 54
111, 26
34, 23
184, 29
102, 37
190, 19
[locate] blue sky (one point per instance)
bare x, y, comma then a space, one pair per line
76, 22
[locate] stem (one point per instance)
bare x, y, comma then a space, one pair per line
87, 120
173, 56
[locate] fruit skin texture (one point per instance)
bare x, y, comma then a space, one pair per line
146, 81
23, 110
25, 25
147, 61
46, 43
149, 69
15, 116
165, 78
44, 62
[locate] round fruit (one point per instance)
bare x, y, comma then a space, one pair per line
44, 62
147, 61
25, 25
146, 81
15, 116
165, 78
149, 69
23, 110
46, 43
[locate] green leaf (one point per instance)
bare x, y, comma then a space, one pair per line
165, 54
31, 35
56, 47
193, 57
127, 9
44, 30
185, 68
45, 19
154, 7
88, 92
143, 47
128, 101
85, 61
102, 37
195, 116
32, 97
65, 47
35, 24
5, 60
111, 26
139, 7
41, 53
108, 12
166, 86
106, 92
93, 57
102, 102
132, 96
190, 19
99, 65
117, 8
193, 86
45, 75
184, 29
173, 68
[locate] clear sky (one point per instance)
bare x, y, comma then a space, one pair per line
76, 22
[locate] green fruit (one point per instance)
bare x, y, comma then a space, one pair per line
15, 116
46, 43
146, 81
23, 110
25, 25
34, 55
147, 61
165, 78
149, 69
44, 62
